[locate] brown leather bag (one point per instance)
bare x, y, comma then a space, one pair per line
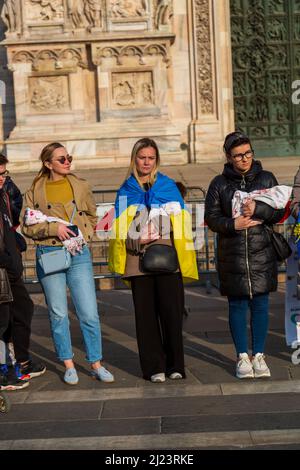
5, 289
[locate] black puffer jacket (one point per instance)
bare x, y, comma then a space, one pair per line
246, 261
11, 258
15, 199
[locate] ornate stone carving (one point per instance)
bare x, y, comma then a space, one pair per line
132, 89
49, 93
75, 10
128, 8
276, 30
276, 6
204, 59
86, 13
93, 12
263, 64
140, 50
52, 59
163, 12
10, 15
45, 10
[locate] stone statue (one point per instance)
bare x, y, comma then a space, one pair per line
92, 11
147, 93
76, 12
127, 8
10, 14
50, 8
117, 9
163, 13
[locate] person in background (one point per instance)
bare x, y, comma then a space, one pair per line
16, 316
14, 202
56, 192
246, 260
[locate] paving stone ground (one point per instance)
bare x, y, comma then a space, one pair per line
211, 402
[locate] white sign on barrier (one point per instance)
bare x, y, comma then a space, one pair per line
105, 213
292, 303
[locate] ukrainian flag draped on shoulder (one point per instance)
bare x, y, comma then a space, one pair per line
165, 195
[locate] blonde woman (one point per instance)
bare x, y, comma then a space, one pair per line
149, 214
58, 193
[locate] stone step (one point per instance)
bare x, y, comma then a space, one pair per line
247, 431
155, 391
264, 439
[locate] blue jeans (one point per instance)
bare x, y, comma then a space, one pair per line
79, 279
238, 309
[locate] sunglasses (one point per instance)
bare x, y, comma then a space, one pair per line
63, 160
4, 174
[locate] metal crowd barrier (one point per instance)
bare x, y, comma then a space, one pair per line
206, 241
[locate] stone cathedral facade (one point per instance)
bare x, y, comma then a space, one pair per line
97, 75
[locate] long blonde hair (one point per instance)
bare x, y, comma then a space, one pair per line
45, 156
139, 145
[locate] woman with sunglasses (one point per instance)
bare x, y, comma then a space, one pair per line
58, 193
246, 260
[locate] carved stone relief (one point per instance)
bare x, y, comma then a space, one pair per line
93, 12
139, 50
10, 15
43, 10
86, 13
204, 59
49, 94
128, 8
104, 15
75, 9
68, 58
132, 89
163, 13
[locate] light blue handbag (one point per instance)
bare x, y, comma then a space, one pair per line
55, 261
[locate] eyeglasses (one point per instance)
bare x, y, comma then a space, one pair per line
4, 174
62, 160
239, 156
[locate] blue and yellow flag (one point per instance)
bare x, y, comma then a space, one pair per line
163, 194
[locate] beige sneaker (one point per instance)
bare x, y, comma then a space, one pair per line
260, 367
244, 368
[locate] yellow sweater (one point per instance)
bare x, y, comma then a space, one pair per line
59, 192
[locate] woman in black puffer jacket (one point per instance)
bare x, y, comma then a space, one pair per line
246, 261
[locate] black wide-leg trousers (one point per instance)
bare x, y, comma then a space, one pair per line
159, 303
15, 320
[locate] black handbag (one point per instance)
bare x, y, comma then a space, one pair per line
159, 258
280, 245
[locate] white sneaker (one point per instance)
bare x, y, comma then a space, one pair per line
175, 376
158, 378
260, 367
244, 369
